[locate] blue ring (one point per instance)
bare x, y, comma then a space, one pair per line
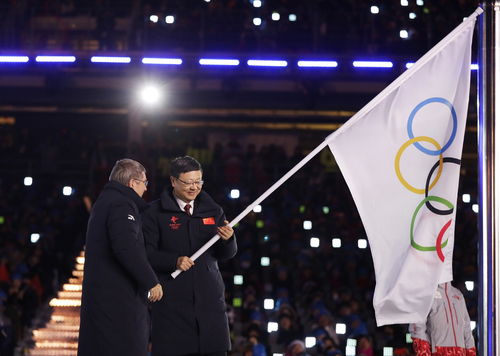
453, 134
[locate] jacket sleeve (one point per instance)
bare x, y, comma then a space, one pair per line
161, 261
470, 344
124, 228
225, 250
420, 339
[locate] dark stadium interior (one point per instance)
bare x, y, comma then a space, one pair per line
66, 124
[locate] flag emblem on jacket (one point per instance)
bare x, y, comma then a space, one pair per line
174, 224
208, 221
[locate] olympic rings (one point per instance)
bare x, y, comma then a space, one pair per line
429, 205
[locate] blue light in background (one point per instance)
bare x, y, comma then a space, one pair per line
55, 59
266, 63
219, 62
101, 59
317, 64
372, 64
474, 66
164, 61
14, 59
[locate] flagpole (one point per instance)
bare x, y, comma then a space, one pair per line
257, 202
489, 196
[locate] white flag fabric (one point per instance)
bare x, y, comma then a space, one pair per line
400, 156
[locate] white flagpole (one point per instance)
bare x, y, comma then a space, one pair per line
375, 101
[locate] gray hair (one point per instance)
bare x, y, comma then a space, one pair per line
125, 170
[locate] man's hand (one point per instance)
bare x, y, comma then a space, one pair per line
155, 293
225, 232
184, 263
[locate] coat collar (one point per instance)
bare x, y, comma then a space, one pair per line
129, 193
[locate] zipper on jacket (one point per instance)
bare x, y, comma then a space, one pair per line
451, 313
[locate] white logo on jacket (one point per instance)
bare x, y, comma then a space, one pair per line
130, 217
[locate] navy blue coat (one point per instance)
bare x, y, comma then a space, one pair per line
191, 318
117, 276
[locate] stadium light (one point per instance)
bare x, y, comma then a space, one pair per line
153, 18
257, 209
219, 62
235, 194
28, 181
257, 21
314, 242
257, 3
275, 16
292, 17
336, 242
362, 244
266, 63
164, 61
272, 326
14, 59
265, 261
105, 59
67, 190
404, 2
169, 19
469, 285
340, 328
268, 304
388, 351
307, 225
372, 64
150, 95
475, 208
317, 64
403, 34
238, 280
374, 10
472, 325
55, 59
35, 237
474, 66
420, 2
310, 341
466, 198
412, 15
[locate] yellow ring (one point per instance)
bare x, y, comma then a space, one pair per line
398, 158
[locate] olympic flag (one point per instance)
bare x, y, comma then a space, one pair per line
400, 156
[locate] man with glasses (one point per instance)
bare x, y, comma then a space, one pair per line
191, 318
114, 312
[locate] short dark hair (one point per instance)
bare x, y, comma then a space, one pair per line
125, 170
183, 165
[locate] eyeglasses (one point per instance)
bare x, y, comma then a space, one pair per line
197, 183
143, 181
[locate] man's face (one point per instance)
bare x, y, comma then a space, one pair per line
184, 189
138, 185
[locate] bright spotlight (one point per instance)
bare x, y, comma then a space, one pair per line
268, 304
257, 209
475, 208
412, 15
238, 280
150, 95
272, 326
362, 244
388, 351
310, 341
466, 198
403, 34
336, 242
469, 285
472, 325
340, 328
292, 17
153, 18
169, 19
235, 194
257, 21
28, 181
275, 16
265, 261
314, 242
35, 238
404, 2
374, 10
420, 2
307, 225
67, 191
257, 3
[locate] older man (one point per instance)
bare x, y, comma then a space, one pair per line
191, 319
114, 313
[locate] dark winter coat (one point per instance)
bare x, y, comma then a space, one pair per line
117, 277
191, 318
